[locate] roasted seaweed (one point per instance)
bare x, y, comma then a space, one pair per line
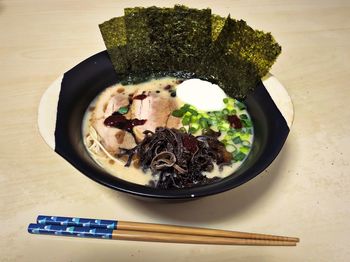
217, 23
191, 36
140, 51
146, 51
253, 46
114, 37
167, 39
222, 50
239, 57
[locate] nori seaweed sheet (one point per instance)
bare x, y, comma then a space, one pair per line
191, 36
150, 40
150, 53
239, 57
114, 37
140, 51
167, 39
217, 23
254, 46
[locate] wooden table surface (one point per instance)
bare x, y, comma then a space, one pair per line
305, 192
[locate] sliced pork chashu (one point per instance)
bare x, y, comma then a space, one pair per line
156, 109
109, 102
111, 138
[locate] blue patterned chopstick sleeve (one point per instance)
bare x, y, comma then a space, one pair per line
77, 222
70, 231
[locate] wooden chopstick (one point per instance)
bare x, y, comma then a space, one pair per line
87, 232
193, 239
160, 228
148, 227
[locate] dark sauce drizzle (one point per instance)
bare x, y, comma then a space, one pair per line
120, 121
139, 97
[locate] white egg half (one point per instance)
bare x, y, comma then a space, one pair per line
201, 94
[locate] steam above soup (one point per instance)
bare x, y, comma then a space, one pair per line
168, 132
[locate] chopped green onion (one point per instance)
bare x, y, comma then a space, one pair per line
240, 105
225, 142
237, 140
246, 143
231, 148
204, 115
186, 120
244, 136
230, 100
218, 114
228, 138
239, 156
244, 131
194, 119
226, 125
192, 130
244, 149
203, 122
123, 110
178, 113
230, 107
247, 123
195, 125
214, 128
192, 111
231, 132
243, 116
186, 106
222, 128
210, 122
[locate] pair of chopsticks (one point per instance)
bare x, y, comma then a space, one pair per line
136, 231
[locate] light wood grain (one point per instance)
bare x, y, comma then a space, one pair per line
305, 192
193, 239
175, 229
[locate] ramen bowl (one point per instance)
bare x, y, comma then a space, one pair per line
65, 102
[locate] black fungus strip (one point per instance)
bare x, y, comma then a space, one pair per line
178, 158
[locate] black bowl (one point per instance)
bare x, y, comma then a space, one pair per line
84, 82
